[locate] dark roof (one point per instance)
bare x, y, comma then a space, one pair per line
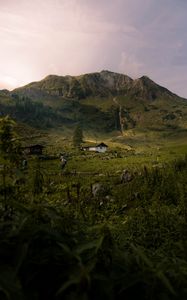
94, 145
34, 146
102, 145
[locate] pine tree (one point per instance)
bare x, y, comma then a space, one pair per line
10, 157
9, 141
77, 136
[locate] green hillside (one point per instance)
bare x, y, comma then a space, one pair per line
107, 103
87, 231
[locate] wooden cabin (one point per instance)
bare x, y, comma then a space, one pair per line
33, 149
96, 148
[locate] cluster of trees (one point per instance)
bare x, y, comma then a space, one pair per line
34, 113
38, 114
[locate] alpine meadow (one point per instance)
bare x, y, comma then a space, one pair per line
93, 165
104, 225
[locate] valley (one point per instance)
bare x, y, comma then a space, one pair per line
106, 225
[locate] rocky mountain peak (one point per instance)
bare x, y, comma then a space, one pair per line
102, 84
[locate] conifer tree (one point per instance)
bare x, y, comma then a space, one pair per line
9, 141
10, 156
77, 136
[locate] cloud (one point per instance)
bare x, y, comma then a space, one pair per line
9, 82
129, 65
135, 37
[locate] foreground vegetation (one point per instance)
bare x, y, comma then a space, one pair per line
60, 240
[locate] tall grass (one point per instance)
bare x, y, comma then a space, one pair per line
128, 241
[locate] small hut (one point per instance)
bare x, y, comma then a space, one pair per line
33, 149
96, 148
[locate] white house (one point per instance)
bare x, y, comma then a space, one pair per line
97, 148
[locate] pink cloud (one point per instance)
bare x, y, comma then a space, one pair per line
40, 37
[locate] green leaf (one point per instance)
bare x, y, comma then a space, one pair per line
144, 258
66, 285
96, 244
165, 282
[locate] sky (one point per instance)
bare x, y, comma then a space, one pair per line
73, 37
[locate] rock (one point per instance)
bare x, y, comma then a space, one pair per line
100, 190
109, 198
126, 176
97, 188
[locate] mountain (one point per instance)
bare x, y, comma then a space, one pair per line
4, 92
102, 84
105, 102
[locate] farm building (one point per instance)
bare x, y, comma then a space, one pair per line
96, 148
33, 149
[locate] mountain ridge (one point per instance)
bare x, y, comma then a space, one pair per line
104, 83
103, 101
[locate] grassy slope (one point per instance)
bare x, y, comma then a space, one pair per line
93, 100
148, 122
132, 152
127, 242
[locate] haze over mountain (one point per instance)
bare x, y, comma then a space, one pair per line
103, 101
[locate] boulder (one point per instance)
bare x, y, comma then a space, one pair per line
126, 176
